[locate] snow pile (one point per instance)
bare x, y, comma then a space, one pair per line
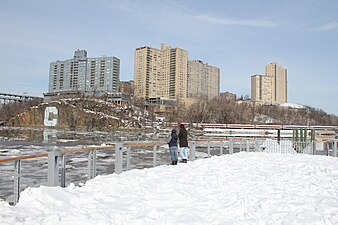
243, 188
292, 105
259, 118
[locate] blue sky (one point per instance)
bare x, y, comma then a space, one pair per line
240, 37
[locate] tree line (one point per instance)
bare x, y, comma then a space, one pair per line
221, 110
11, 110
217, 110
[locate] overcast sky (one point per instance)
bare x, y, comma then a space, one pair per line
240, 37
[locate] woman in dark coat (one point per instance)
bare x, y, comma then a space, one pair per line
173, 147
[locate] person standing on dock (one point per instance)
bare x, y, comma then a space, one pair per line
183, 137
173, 147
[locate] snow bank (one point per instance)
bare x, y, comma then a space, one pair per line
292, 105
243, 188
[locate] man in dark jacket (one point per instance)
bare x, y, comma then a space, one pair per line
183, 137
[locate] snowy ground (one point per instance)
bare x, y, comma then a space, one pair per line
243, 188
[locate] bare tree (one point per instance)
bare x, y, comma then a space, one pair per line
12, 109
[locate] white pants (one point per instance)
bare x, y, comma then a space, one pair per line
184, 152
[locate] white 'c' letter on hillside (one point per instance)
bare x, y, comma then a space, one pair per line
51, 115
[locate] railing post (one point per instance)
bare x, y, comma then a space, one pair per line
334, 148
154, 155
92, 163
231, 147
128, 159
314, 147
17, 174
221, 148
247, 146
192, 151
63, 170
118, 157
256, 146
53, 168
311, 148
208, 149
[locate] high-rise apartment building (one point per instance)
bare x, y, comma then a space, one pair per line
94, 76
161, 73
174, 73
166, 73
279, 81
147, 68
261, 89
203, 80
270, 88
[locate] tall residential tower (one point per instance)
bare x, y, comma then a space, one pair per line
167, 73
270, 88
147, 71
174, 73
161, 73
203, 80
94, 76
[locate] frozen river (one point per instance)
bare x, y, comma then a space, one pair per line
28, 141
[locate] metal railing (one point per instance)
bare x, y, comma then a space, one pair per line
57, 164
55, 158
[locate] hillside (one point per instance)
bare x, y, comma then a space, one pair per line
90, 113
85, 113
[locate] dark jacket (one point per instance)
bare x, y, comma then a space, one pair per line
183, 136
173, 140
